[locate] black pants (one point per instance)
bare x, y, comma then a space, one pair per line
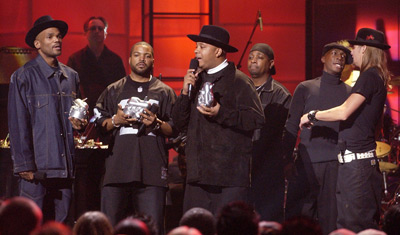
123, 200
267, 185
212, 198
359, 192
314, 193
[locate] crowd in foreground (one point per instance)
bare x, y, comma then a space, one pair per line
22, 216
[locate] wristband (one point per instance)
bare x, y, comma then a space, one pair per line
311, 116
112, 121
158, 124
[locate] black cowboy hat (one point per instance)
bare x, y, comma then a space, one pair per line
370, 37
214, 35
43, 23
329, 46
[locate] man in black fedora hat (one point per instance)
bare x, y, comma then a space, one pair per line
359, 184
41, 133
219, 133
312, 192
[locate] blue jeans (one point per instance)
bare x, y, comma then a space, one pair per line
52, 195
359, 192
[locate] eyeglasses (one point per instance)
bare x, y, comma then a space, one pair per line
93, 28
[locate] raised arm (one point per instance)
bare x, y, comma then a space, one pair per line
338, 113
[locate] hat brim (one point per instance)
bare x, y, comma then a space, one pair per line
225, 47
33, 32
349, 57
371, 44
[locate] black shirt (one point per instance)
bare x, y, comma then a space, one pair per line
96, 74
132, 158
361, 136
318, 144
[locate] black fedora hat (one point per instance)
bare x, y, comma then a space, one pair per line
329, 46
214, 35
43, 23
370, 37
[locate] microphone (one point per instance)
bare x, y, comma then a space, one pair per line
194, 64
260, 20
39, 175
142, 127
342, 146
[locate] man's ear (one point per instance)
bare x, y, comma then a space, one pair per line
218, 52
271, 64
323, 59
36, 43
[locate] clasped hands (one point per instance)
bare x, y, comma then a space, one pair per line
148, 118
209, 111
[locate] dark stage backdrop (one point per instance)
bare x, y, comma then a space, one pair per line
283, 29
296, 30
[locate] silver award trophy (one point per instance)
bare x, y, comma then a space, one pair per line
79, 109
206, 96
135, 106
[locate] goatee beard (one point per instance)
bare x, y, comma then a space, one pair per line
143, 73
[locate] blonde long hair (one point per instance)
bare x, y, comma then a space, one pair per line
375, 57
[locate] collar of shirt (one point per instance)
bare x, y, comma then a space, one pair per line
267, 86
330, 78
218, 68
90, 53
47, 70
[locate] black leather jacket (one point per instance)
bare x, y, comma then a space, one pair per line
218, 149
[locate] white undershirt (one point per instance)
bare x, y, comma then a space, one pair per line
218, 68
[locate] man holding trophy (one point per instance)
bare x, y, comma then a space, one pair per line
40, 97
219, 107
136, 109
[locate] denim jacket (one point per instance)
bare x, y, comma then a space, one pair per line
41, 135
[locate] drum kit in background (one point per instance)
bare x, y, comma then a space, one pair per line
388, 154
387, 164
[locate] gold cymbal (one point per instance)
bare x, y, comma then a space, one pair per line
388, 167
395, 81
382, 149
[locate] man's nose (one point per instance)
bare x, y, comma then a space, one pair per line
339, 57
